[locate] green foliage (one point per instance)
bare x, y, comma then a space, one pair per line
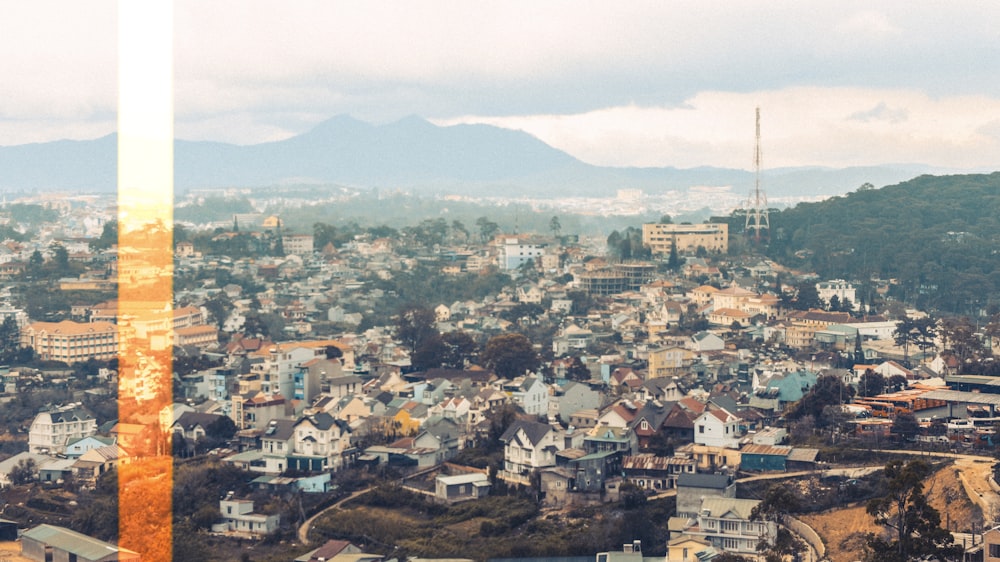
935, 235
26, 213
627, 245
829, 390
213, 209
510, 355
23, 473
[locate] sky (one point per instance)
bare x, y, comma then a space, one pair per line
638, 83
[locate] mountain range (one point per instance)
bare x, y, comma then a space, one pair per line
412, 154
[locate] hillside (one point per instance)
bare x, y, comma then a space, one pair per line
936, 235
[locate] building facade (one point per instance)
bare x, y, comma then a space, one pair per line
660, 238
71, 342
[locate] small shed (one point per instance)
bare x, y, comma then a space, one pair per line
461, 487
764, 457
49, 542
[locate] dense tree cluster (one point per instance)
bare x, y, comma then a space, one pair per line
934, 235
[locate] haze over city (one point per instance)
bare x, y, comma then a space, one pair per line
647, 84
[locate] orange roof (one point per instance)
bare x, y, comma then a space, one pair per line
68, 327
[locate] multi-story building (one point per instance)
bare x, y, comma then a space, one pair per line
528, 446
71, 342
297, 244
843, 290
51, 431
660, 238
516, 251
319, 442
725, 522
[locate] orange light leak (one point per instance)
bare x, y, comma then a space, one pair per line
145, 275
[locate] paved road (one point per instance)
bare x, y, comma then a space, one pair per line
304, 528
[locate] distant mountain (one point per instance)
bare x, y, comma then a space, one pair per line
412, 154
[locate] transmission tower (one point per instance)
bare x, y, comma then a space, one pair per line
756, 216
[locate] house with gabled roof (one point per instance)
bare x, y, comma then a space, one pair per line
528, 446
338, 551
530, 393
319, 443
664, 389
717, 427
619, 414
51, 430
679, 423
573, 397
646, 425
725, 522
276, 442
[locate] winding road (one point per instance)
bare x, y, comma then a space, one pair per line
304, 528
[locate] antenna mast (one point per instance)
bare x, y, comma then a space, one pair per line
756, 217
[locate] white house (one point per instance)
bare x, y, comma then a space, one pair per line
318, 443
837, 288
725, 522
51, 431
530, 393
528, 446
717, 427
706, 341
238, 517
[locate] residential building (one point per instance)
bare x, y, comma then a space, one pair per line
717, 427
530, 393
52, 430
528, 446
725, 522
667, 361
238, 517
692, 488
461, 487
319, 443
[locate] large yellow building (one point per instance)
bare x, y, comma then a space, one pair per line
70, 341
714, 237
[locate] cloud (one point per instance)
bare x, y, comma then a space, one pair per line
869, 23
881, 112
800, 127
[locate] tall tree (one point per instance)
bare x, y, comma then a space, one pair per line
415, 324
807, 297
914, 525
510, 355
829, 390
459, 349
487, 229
871, 383
674, 262
555, 226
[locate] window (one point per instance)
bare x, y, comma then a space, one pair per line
701, 429
994, 550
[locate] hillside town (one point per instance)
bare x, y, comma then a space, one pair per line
656, 364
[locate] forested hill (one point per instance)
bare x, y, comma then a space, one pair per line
937, 235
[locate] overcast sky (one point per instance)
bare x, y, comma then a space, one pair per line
658, 83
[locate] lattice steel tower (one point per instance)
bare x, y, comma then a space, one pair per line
757, 223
